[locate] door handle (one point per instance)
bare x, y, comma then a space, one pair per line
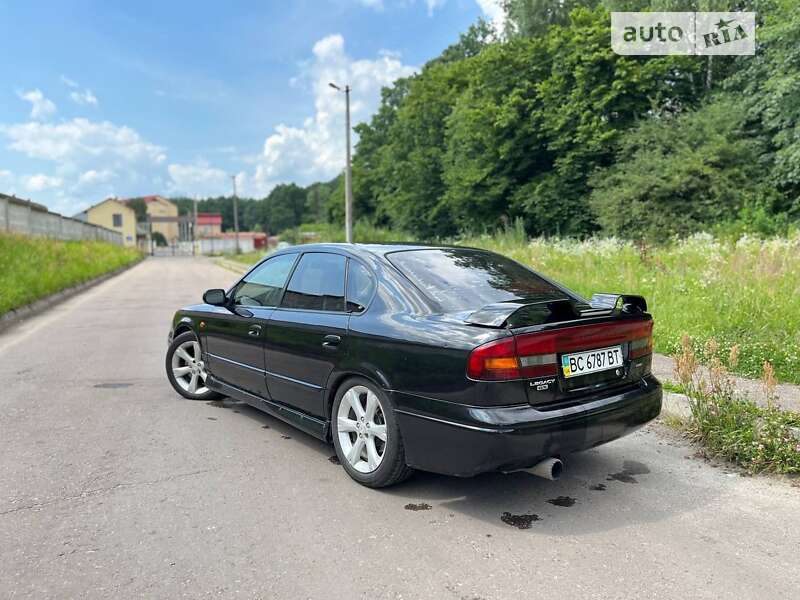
255, 330
331, 341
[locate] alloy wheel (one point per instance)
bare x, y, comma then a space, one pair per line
188, 368
361, 427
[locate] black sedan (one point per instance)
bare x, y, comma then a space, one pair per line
444, 359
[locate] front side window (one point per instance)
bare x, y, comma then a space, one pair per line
117, 219
360, 285
317, 283
263, 286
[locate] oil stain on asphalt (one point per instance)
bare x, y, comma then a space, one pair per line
629, 469
334, 459
600, 487
564, 501
416, 507
519, 521
286, 437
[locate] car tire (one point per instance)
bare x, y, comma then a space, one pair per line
186, 370
368, 443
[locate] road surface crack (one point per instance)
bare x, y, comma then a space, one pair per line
104, 490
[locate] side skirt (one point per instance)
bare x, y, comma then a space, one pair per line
311, 425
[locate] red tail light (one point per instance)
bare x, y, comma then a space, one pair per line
536, 354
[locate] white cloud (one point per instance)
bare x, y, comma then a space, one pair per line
93, 177
39, 182
91, 160
376, 4
315, 149
41, 107
198, 179
83, 98
493, 11
433, 5
81, 141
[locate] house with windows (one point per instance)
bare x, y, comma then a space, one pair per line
113, 214
163, 217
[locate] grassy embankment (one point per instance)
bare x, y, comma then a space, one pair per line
32, 268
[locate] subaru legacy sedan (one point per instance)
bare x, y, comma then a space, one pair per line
445, 359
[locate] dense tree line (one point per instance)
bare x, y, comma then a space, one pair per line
286, 206
548, 125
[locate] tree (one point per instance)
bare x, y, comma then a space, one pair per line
539, 115
680, 174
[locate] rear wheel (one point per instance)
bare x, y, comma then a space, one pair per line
366, 436
186, 370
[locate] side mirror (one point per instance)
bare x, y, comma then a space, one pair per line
215, 297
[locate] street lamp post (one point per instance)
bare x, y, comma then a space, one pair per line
348, 175
235, 214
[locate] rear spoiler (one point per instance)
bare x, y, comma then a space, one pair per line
498, 314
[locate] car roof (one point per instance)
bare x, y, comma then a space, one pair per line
379, 250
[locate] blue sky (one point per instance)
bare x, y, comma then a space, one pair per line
133, 98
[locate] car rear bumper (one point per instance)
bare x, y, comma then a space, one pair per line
454, 439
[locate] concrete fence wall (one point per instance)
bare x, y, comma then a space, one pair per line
21, 216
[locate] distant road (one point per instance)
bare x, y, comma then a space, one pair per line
113, 486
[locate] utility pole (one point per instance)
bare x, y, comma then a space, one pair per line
194, 228
348, 174
235, 214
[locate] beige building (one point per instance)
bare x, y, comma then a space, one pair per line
163, 215
113, 214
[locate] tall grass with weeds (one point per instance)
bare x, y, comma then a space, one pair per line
32, 268
759, 438
363, 232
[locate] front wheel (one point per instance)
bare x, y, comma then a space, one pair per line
366, 436
186, 370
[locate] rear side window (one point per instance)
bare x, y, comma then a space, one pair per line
263, 286
360, 286
317, 283
463, 279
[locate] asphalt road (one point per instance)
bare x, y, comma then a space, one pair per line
112, 485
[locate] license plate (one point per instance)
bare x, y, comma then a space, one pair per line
591, 361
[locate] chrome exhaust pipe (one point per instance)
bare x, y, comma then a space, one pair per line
549, 468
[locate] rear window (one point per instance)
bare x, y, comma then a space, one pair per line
461, 279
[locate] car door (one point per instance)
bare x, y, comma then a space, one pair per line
306, 334
234, 336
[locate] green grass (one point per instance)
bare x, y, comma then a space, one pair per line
247, 258
363, 232
32, 268
760, 438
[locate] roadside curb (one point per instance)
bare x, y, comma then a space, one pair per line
16, 315
676, 406
232, 265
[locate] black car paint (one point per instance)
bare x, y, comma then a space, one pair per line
450, 424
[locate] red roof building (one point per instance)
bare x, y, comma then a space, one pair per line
209, 225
